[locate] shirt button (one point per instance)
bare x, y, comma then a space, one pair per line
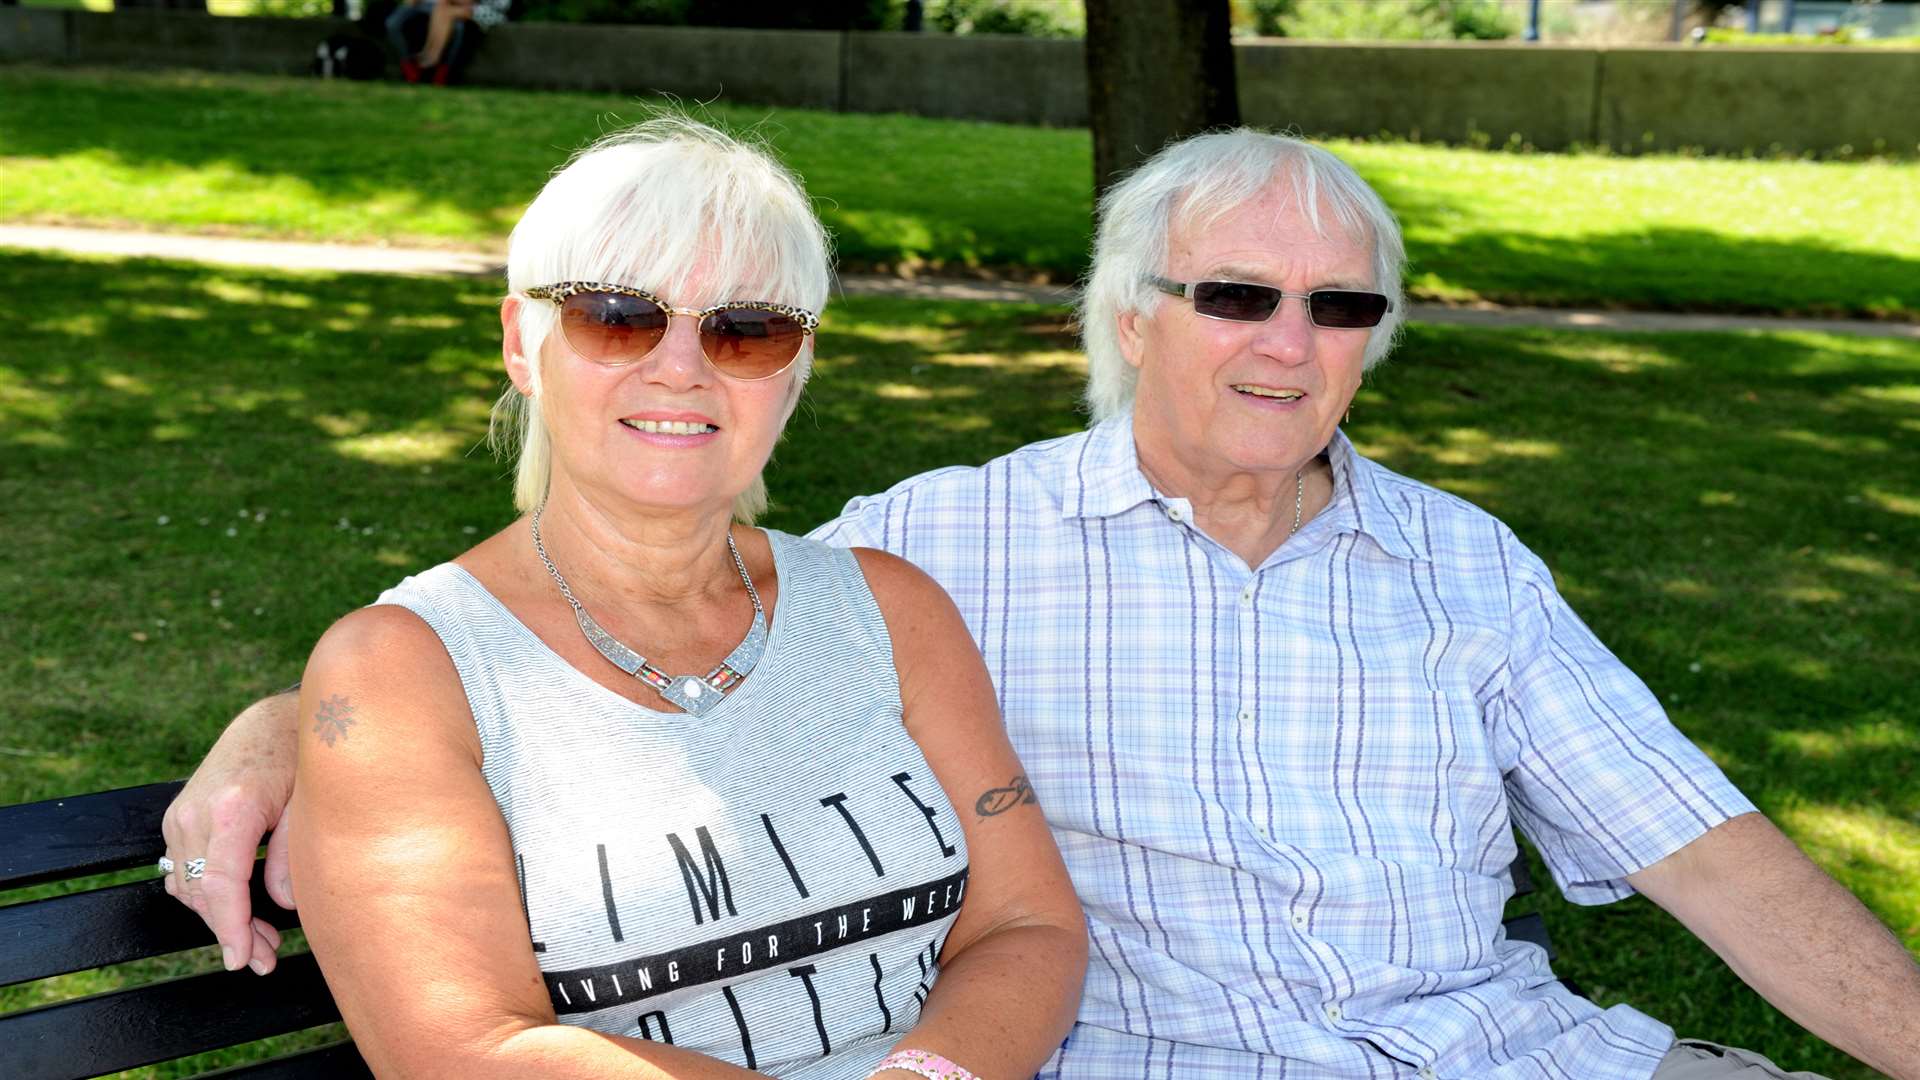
1333, 1013
1173, 513
1428, 1073
1246, 714
1246, 595
1300, 921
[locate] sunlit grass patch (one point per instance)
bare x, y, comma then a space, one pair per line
381, 163
1873, 850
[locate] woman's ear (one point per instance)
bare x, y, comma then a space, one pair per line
519, 366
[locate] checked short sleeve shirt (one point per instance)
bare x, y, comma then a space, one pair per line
1286, 794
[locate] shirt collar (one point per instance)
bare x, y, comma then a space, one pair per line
1360, 504
1106, 481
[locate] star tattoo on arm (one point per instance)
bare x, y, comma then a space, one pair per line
1002, 799
332, 719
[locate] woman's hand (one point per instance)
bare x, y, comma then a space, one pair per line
236, 796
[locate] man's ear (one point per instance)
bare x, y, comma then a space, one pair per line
1131, 336
519, 365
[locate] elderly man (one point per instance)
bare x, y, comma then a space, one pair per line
1282, 705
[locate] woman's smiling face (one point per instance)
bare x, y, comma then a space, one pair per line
666, 431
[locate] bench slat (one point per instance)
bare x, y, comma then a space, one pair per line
1530, 927
84, 834
1522, 876
335, 1061
125, 1029
43, 938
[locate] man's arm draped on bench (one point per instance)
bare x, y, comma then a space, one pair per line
236, 800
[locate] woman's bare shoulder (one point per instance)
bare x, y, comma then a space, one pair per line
377, 640
382, 661
897, 583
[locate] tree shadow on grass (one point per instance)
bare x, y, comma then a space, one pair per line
1746, 504
903, 386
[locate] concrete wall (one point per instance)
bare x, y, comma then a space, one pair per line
1451, 94
1727, 100
32, 34
793, 68
1739, 99
162, 39
1013, 80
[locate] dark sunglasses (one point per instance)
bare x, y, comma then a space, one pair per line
615, 325
1238, 301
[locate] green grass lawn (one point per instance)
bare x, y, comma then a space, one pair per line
386, 163
203, 467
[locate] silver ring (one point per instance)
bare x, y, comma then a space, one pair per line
166, 865
196, 868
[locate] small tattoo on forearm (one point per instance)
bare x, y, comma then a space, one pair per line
332, 719
1002, 799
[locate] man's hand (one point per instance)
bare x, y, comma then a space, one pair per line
236, 796
1797, 937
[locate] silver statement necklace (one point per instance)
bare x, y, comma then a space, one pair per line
691, 693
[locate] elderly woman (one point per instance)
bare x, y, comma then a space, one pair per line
633, 789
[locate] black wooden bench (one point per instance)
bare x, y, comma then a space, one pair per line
1523, 922
67, 839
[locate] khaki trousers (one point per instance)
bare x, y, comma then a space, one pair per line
1693, 1059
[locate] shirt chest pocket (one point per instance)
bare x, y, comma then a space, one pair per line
1390, 770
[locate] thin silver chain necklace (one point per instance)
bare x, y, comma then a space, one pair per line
1300, 494
691, 693
1299, 497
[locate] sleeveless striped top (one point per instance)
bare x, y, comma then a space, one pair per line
769, 884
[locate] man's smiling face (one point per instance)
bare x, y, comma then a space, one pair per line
1224, 398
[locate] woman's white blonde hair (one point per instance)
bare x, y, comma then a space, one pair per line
1190, 185
652, 207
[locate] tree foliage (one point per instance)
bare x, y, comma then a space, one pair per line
1385, 20
770, 14
1033, 18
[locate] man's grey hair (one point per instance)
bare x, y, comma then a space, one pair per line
1192, 184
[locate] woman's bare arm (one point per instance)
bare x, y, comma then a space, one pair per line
407, 885
1013, 965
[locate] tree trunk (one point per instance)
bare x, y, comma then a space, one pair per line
1157, 70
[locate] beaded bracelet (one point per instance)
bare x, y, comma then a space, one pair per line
922, 1063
